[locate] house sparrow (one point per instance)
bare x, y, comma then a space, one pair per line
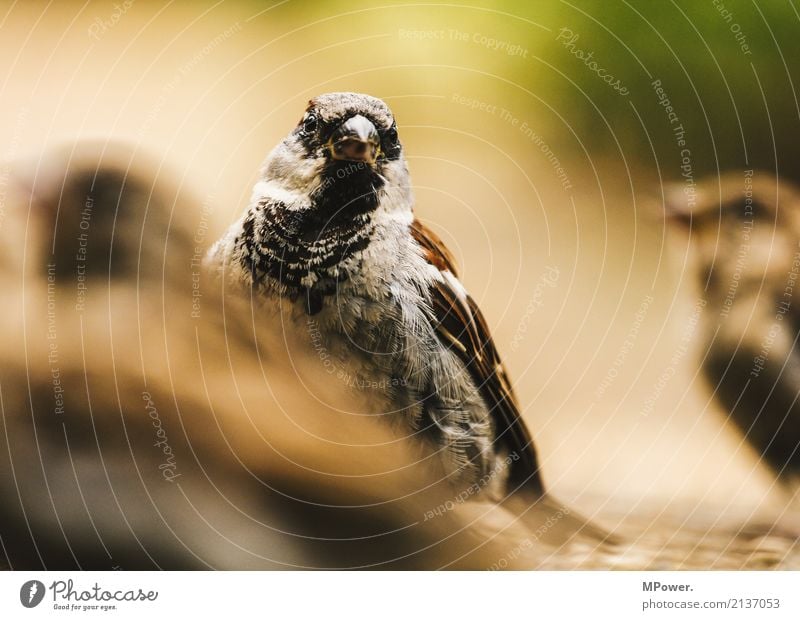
330, 235
744, 253
330, 241
112, 457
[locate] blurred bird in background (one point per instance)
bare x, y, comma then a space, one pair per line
744, 254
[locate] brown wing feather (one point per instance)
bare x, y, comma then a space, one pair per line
435, 249
461, 326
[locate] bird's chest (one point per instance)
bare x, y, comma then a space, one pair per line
309, 260
356, 343
358, 290
380, 309
372, 326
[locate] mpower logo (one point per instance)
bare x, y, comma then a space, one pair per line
67, 596
31, 593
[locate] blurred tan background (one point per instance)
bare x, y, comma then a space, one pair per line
538, 174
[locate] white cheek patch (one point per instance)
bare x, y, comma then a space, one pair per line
274, 190
289, 167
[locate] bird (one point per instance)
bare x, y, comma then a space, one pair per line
742, 230
330, 243
99, 373
86, 388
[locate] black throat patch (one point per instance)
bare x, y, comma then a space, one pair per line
310, 251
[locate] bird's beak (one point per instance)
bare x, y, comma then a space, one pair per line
355, 140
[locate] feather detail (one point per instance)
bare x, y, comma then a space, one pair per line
462, 328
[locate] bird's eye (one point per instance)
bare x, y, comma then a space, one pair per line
391, 135
390, 143
310, 123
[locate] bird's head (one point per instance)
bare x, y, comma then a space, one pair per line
735, 229
344, 154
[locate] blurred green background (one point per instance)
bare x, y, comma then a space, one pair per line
728, 68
